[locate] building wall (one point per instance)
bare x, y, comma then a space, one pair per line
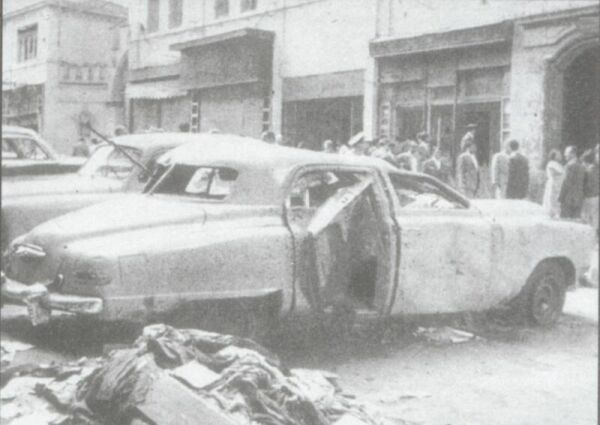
409, 18
312, 37
77, 57
32, 71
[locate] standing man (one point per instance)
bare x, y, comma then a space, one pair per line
81, 148
571, 191
467, 169
517, 184
591, 188
437, 167
499, 172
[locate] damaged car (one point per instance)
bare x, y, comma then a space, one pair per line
121, 167
256, 232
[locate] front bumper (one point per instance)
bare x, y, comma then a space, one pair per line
40, 301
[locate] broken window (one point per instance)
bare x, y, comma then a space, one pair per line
201, 182
423, 193
106, 161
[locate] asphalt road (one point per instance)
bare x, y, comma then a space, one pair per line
509, 375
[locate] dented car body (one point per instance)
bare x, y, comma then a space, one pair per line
301, 230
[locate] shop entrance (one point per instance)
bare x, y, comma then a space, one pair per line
581, 106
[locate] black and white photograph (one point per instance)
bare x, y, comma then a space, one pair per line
300, 212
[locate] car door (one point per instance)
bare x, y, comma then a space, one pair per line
445, 250
344, 238
23, 155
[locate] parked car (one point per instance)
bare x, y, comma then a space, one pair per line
24, 152
258, 230
106, 174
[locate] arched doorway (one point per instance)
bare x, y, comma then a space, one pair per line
581, 104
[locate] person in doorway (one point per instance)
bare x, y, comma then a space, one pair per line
469, 137
591, 188
329, 146
517, 184
423, 143
81, 148
554, 177
571, 191
467, 169
499, 172
268, 137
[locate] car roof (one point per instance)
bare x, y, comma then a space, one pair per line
7, 129
244, 152
150, 141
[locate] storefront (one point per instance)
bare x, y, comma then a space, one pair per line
321, 107
440, 83
229, 77
23, 106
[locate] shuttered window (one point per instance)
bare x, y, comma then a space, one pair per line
248, 5
28, 43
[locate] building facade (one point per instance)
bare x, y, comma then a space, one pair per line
522, 70
297, 67
64, 66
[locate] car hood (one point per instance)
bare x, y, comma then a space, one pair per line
25, 186
500, 207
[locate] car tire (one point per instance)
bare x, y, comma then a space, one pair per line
544, 297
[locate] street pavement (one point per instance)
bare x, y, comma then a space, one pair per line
508, 375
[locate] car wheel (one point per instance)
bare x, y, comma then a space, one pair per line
546, 294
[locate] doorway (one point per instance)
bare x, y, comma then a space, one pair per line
581, 106
487, 135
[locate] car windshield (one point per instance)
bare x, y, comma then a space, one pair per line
106, 161
22, 148
199, 182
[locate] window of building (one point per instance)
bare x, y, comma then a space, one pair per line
153, 10
221, 8
175, 13
27, 43
248, 5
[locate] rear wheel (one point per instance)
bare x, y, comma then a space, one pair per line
545, 294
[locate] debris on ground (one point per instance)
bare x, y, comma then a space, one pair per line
445, 335
182, 376
8, 349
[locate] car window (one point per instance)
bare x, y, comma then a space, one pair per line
313, 189
200, 182
22, 148
106, 161
416, 192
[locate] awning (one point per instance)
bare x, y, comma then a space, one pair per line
322, 86
155, 90
236, 57
469, 37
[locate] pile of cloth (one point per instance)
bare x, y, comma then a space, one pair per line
180, 376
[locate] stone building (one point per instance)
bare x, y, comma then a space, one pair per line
64, 65
519, 69
297, 67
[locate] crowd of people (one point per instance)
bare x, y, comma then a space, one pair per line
571, 186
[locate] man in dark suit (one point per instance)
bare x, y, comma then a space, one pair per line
572, 190
517, 185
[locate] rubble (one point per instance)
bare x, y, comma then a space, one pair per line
182, 376
445, 335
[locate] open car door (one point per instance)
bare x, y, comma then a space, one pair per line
345, 240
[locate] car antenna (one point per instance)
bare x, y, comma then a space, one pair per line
119, 148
